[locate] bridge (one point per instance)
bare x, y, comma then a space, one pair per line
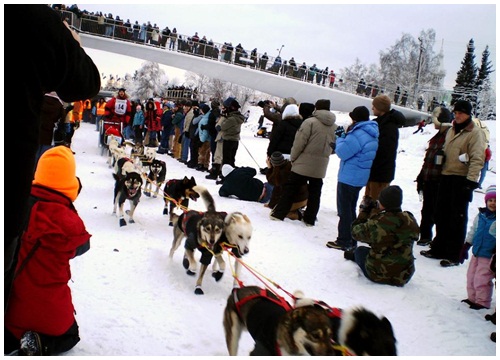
266, 82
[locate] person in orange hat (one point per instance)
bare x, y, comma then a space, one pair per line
39, 319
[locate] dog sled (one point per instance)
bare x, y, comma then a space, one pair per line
105, 136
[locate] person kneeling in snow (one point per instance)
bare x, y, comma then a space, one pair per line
390, 234
241, 183
39, 318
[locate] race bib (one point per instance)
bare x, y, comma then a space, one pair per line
120, 107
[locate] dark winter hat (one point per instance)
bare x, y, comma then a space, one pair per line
360, 113
231, 101
491, 193
122, 89
277, 159
205, 108
194, 103
463, 106
215, 103
306, 110
391, 198
382, 103
442, 114
322, 104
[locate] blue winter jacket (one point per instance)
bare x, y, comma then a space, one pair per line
482, 234
203, 133
356, 152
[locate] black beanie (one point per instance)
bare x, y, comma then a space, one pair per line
322, 104
360, 113
205, 108
391, 198
306, 110
463, 106
444, 115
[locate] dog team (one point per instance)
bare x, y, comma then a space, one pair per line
309, 327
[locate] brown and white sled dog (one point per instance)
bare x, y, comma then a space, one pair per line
237, 233
156, 176
202, 231
310, 328
276, 327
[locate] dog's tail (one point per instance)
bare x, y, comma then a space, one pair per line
206, 196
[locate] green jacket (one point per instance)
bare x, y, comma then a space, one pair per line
390, 236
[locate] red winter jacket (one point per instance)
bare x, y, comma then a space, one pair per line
41, 298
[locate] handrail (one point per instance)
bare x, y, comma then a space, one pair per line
220, 52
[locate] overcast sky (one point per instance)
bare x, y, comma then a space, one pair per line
327, 35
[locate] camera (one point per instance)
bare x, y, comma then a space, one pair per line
263, 103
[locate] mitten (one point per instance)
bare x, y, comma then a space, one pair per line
464, 253
77, 124
340, 132
469, 188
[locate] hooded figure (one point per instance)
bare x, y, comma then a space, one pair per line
284, 131
41, 298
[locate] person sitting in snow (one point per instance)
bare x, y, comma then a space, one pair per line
241, 183
40, 316
390, 234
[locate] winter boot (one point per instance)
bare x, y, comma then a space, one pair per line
31, 345
214, 172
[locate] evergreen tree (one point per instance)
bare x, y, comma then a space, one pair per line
484, 101
465, 84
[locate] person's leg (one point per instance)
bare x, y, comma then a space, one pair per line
360, 255
483, 282
344, 213
313, 201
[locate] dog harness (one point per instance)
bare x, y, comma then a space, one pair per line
264, 293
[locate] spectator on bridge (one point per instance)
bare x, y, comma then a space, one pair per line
404, 99
263, 61
332, 78
136, 28
397, 94
253, 57
173, 39
165, 34
302, 72
360, 90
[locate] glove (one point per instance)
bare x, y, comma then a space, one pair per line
464, 253
203, 127
469, 188
340, 132
77, 124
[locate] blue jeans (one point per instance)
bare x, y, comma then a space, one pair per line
185, 148
347, 199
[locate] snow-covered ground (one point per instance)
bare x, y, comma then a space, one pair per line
132, 300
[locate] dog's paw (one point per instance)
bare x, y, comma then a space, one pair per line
147, 193
170, 223
165, 211
185, 263
198, 291
123, 222
131, 221
190, 273
217, 275
155, 196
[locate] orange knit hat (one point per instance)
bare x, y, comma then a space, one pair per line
56, 169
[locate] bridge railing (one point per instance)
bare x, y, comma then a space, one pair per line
222, 52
